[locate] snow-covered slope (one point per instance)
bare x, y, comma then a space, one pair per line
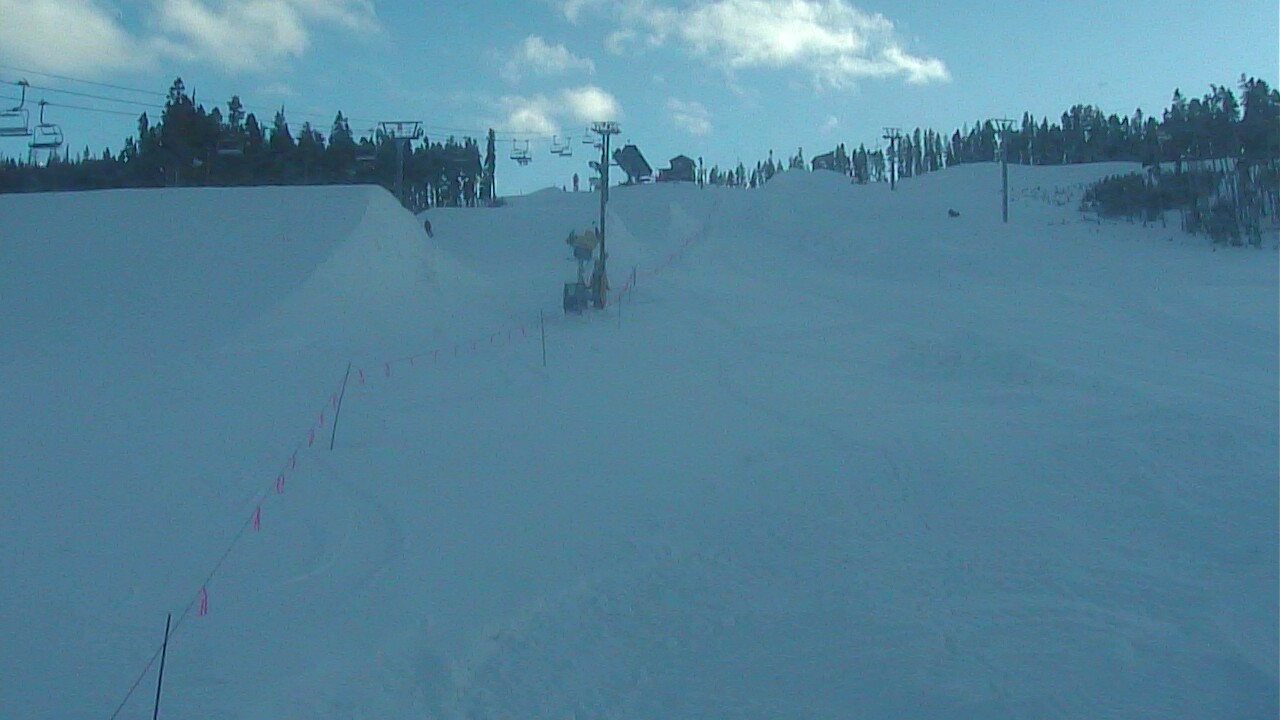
841, 456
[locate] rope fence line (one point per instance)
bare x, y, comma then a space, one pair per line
200, 598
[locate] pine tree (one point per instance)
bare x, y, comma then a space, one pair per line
281, 145
255, 142
917, 153
340, 155
310, 152
235, 114
1259, 128
179, 133
861, 171
842, 161
487, 185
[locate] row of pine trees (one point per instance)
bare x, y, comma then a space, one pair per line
1215, 126
189, 145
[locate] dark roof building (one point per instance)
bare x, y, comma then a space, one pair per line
826, 161
683, 169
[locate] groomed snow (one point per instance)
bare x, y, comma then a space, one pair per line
841, 456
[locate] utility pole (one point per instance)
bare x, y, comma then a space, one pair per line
604, 130
1005, 125
893, 135
401, 132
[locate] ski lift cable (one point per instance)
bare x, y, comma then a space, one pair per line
504, 133
65, 106
253, 108
81, 80
87, 95
149, 105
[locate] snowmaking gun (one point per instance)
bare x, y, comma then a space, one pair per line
580, 293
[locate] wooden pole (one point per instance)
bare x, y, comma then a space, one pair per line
164, 650
338, 410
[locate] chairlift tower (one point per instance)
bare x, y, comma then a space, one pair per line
1005, 125
893, 135
401, 131
604, 130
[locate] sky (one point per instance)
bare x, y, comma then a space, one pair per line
725, 80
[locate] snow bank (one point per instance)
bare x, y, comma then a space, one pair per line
843, 453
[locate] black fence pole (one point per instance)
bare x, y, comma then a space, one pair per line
333, 435
542, 327
164, 650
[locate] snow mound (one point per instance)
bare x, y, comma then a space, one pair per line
386, 279
837, 449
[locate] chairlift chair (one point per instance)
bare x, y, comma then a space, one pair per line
230, 143
520, 154
45, 135
16, 121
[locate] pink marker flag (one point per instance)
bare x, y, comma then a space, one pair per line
204, 602
311, 437
293, 460
361, 376
387, 368
522, 332
280, 484
257, 519
321, 418
435, 356
410, 361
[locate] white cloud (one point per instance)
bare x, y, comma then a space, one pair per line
618, 41
530, 115
835, 41
278, 90
86, 37
536, 56
572, 9
831, 123
244, 35
692, 116
79, 37
590, 103
547, 115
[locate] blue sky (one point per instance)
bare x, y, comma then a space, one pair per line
721, 79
